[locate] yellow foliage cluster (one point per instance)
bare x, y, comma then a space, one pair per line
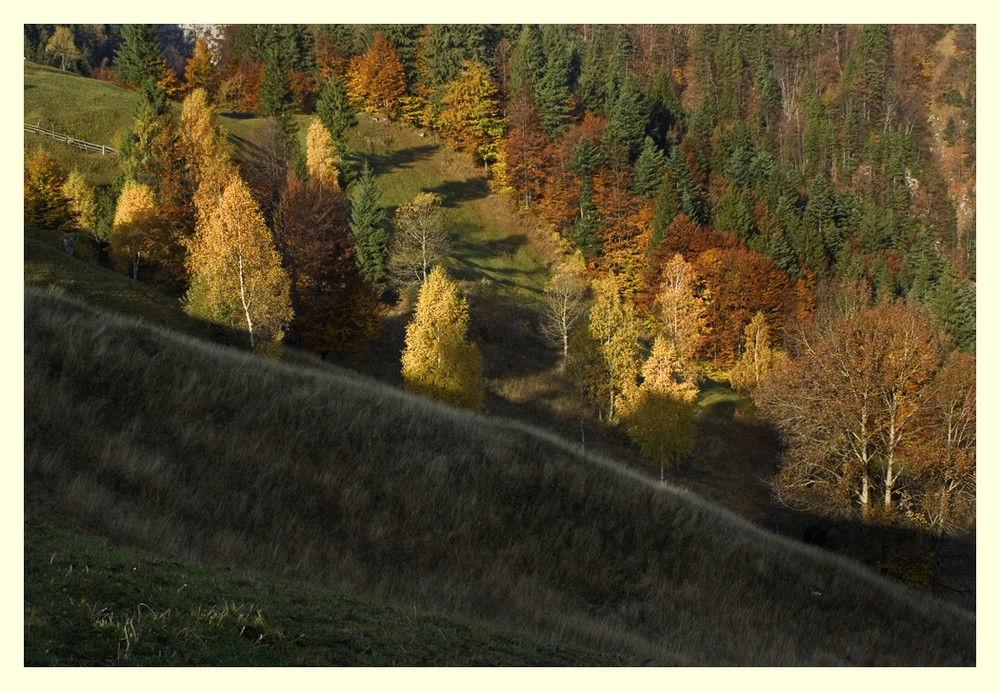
438, 360
321, 159
236, 269
134, 229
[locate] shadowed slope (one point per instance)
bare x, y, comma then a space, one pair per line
178, 446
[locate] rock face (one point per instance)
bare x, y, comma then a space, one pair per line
177, 41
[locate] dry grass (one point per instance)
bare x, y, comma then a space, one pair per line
179, 446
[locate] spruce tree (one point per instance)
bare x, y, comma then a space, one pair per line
627, 124
528, 62
553, 93
648, 169
370, 237
335, 111
139, 61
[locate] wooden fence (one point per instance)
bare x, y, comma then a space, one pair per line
86, 146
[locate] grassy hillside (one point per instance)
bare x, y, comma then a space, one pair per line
184, 448
91, 602
82, 108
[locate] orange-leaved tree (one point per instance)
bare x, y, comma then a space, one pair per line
469, 119
376, 80
439, 361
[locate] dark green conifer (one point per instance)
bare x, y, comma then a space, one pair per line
370, 237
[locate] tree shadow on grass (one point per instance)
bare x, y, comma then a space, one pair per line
477, 259
397, 158
454, 192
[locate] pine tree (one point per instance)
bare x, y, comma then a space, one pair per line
552, 93
139, 61
527, 63
237, 277
370, 237
593, 77
275, 94
627, 123
438, 360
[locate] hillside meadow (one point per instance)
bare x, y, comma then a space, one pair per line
182, 447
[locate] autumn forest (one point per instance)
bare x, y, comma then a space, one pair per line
783, 212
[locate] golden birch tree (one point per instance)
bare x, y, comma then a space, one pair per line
758, 357
81, 201
681, 309
321, 159
237, 277
661, 415
606, 355
439, 361
562, 305
135, 236
419, 241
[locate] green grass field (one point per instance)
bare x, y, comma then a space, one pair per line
89, 602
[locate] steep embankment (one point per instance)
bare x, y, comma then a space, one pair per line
181, 447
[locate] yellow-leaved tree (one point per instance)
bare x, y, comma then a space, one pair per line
439, 361
321, 159
81, 201
661, 414
605, 357
134, 237
682, 311
236, 273
758, 357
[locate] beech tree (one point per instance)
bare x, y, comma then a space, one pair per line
661, 416
237, 277
136, 234
438, 360
848, 405
524, 150
336, 309
81, 201
420, 241
681, 309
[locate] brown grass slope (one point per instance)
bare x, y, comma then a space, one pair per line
180, 446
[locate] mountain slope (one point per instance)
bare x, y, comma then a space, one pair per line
178, 446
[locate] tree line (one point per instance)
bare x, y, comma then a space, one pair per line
723, 192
